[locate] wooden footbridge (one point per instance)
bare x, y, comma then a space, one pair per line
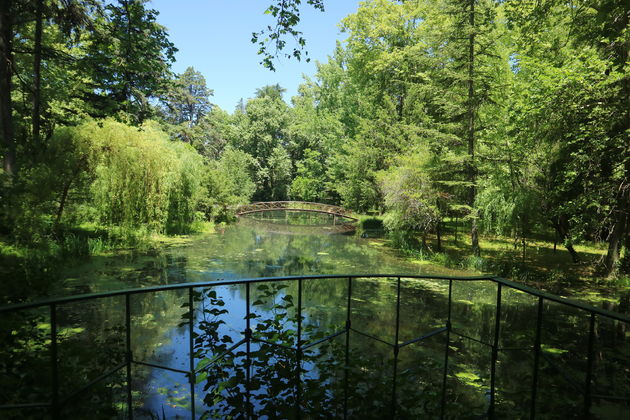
305, 206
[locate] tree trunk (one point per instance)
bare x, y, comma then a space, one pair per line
614, 245
621, 227
6, 108
438, 231
62, 201
400, 106
64, 194
617, 236
37, 65
472, 170
625, 262
126, 77
562, 228
456, 228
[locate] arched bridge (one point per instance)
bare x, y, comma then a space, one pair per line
294, 206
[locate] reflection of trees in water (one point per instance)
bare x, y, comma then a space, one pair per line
370, 377
304, 226
91, 342
248, 251
97, 325
239, 251
419, 373
295, 219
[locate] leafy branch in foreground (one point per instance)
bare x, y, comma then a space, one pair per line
270, 40
269, 369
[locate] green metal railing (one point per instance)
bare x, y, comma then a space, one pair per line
58, 400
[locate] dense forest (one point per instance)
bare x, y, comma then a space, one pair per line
511, 117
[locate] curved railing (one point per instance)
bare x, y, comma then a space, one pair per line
594, 314
306, 206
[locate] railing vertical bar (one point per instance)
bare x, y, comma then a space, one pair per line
589, 367
57, 403
347, 364
446, 350
536, 358
298, 400
495, 353
54, 362
248, 336
396, 349
128, 355
191, 352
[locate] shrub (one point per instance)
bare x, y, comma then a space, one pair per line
372, 223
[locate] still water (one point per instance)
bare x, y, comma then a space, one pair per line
273, 245
292, 244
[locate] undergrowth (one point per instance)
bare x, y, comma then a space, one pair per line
30, 269
541, 264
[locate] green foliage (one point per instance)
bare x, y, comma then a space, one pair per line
309, 183
143, 179
230, 182
187, 191
127, 59
372, 223
277, 175
354, 177
273, 366
108, 173
262, 136
442, 259
410, 197
509, 115
286, 16
259, 376
188, 98
273, 92
474, 263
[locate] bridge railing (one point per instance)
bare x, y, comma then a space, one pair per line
59, 399
294, 206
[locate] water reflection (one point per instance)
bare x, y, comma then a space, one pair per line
276, 246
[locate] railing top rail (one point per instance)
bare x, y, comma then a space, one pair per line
325, 211
297, 203
310, 206
217, 283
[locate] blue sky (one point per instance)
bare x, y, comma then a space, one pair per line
214, 37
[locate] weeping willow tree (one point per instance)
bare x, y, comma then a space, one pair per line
143, 179
188, 189
130, 177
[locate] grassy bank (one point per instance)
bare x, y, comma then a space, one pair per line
537, 261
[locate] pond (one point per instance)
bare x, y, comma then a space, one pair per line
288, 244
275, 244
